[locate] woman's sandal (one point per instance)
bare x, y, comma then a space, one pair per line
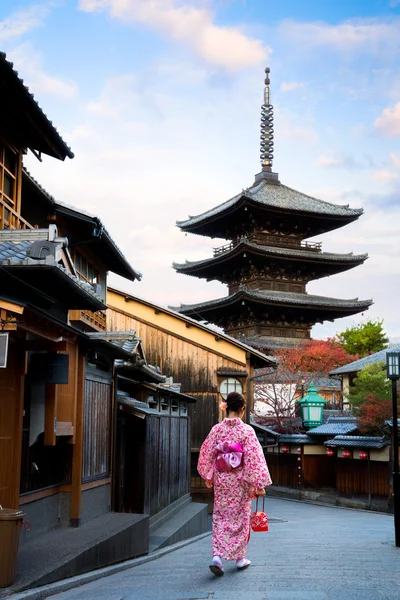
216, 568
243, 563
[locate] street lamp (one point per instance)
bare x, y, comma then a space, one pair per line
393, 373
311, 405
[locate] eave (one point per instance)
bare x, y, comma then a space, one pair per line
239, 256
312, 308
25, 123
54, 285
267, 204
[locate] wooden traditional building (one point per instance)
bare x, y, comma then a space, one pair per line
208, 364
267, 262
76, 424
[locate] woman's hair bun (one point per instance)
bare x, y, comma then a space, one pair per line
235, 402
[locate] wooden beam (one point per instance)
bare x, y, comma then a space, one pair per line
12, 307
76, 483
46, 346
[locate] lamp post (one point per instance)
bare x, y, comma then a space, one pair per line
393, 373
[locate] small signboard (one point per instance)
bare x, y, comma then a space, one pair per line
3, 350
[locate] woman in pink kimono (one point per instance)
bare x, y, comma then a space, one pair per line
231, 459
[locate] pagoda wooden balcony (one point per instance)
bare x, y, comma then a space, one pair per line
96, 321
10, 219
270, 240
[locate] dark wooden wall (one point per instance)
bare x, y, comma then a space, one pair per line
168, 461
96, 430
352, 477
318, 471
349, 477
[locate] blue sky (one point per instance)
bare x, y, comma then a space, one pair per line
160, 102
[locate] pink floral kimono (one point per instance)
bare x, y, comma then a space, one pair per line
232, 500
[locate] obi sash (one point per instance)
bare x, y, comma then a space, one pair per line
229, 456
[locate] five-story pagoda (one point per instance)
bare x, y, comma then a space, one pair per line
267, 263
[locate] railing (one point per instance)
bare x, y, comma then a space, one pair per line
10, 219
96, 320
270, 240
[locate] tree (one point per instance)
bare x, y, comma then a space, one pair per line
373, 413
371, 381
275, 392
363, 339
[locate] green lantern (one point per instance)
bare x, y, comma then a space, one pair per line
312, 405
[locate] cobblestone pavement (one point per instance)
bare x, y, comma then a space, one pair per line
311, 552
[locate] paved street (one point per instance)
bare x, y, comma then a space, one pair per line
310, 553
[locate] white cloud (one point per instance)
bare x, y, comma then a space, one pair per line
23, 21
222, 47
384, 176
291, 86
29, 62
368, 35
388, 124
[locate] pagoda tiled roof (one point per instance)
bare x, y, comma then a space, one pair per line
277, 196
285, 298
275, 250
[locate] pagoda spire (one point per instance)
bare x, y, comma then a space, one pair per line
267, 135
267, 128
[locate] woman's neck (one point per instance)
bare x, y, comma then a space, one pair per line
233, 415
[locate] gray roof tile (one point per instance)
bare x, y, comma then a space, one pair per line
275, 250
335, 426
277, 195
358, 441
357, 365
281, 298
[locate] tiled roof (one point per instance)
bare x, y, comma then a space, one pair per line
335, 426
14, 253
358, 441
275, 251
357, 365
287, 298
277, 195
9, 67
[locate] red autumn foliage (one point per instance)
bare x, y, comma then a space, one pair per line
314, 356
373, 412
297, 367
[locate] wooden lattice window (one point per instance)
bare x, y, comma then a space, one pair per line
9, 164
85, 269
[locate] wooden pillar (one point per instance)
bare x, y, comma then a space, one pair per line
19, 413
76, 483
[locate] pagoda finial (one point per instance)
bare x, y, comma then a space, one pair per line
267, 128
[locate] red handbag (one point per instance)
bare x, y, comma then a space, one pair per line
259, 519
